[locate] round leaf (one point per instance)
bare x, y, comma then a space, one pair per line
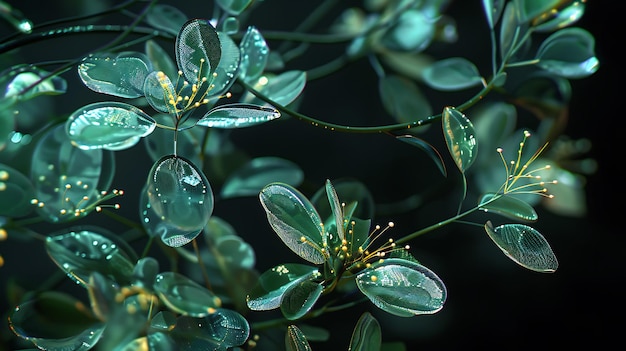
198, 50
569, 53
452, 74
299, 298
119, 75
185, 296
254, 55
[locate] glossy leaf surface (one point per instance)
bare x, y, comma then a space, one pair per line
198, 50
413, 31
181, 198
272, 284
254, 55
285, 87
228, 68
367, 335
25, 82
430, 150
403, 288
233, 116
185, 296
524, 245
221, 330
295, 340
166, 17
299, 298
295, 220
570, 53
161, 61
120, 74
460, 137
80, 252
508, 206
563, 18
108, 125
250, 178
16, 191
452, 74
336, 209
493, 10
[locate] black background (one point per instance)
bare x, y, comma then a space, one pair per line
492, 303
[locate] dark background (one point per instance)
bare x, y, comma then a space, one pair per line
492, 303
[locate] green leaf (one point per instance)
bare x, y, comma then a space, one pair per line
569, 52
460, 137
108, 125
250, 178
299, 298
272, 284
180, 200
15, 80
83, 251
493, 10
166, 17
407, 64
16, 191
367, 335
198, 50
430, 150
295, 340
452, 74
55, 321
283, 88
403, 288
161, 61
119, 74
185, 296
402, 99
507, 206
221, 330
524, 245
511, 33
493, 123
231, 116
254, 55
234, 7
295, 220
562, 18
228, 68
357, 198
413, 31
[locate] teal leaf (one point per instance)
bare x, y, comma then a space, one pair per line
15, 81
119, 74
524, 245
337, 210
108, 125
16, 191
227, 70
80, 252
562, 18
569, 52
272, 284
223, 329
231, 116
299, 298
145, 271
285, 87
295, 220
230, 25
355, 194
183, 295
69, 182
493, 10
180, 200
367, 334
234, 7
507, 206
198, 50
413, 31
402, 99
295, 340
460, 138
161, 61
536, 12
166, 17
430, 150
403, 288
452, 74
254, 55
160, 92
250, 178
55, 321
511, 33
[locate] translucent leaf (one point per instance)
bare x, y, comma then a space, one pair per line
524, 245
493, 11
403, 288
54, 321
413, 31
161, 61
569, 53
119, 74
562, 18
284, 88
336, 209
181, 199
452, 74
229, 25
198, 50
159, 92
221, 330
166, 17
250, 178
232, 116
537, 12
351, 192
299, 298
25, 82
511, 33
570, 195
430, 150
295, 220
295, 340
69, 182
407, 64
493, 123
108, 125
272, 284
508, 206
460, 137
367, 335
254, 55
228, 68
16, 191
234, 7
314, 333
145, 271
402, 99
185, 296
83, 251
235, 253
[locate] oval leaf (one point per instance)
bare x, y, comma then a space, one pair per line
284, 88
452, 74
403, 288
524, 245
272, 284
166, 17
25, 82
367, 334
232, 116
115, 74
569, 53
254, 55
299, 298
402, 99
198, 50
295, 340
460, 137
185, 296
258, 172
507, 206
108, 125
221, 330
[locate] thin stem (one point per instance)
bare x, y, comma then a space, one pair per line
205, 275
318, 13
